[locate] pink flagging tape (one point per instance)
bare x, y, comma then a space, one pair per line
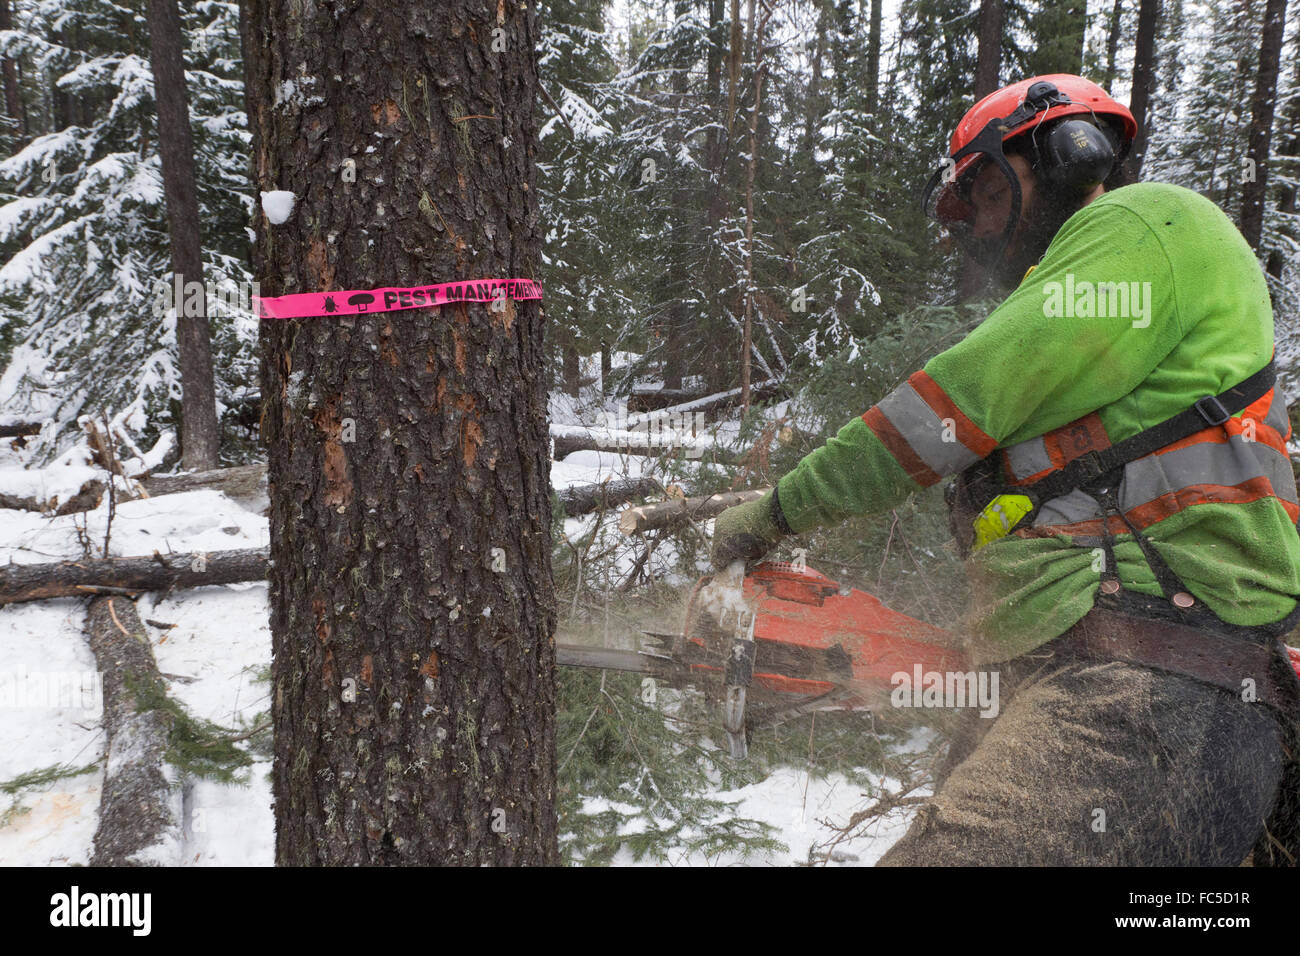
364, 301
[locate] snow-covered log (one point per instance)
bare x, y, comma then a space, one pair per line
584, 499
242, 481
138, 824
652, 442
86, 499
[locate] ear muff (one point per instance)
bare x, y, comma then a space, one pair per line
1075, 156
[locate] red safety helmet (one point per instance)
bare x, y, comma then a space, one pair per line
1011, 111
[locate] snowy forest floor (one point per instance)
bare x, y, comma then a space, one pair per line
216, 660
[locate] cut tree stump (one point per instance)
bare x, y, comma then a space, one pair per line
138, 822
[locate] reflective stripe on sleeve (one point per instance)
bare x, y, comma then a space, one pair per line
928, 435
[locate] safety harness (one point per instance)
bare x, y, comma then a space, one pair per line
983, 508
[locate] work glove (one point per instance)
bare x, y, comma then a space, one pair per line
747, 532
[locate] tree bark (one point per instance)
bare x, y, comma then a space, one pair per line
176, 151
735, 49
158, 572
138, 823
414, 685
988, 63
87, 498
1144, 79
1254, 189
648, 399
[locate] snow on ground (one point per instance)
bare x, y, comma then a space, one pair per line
46, 656
216, 659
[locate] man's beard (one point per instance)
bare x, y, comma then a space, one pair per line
1047, 212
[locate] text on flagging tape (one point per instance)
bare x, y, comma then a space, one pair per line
356, 302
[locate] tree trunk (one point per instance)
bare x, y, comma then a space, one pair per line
1144, 78
1288, 146
570, 370
176, 151
735, 49
988, 63
13, 100
748, 336
675, 327
412, 607
873, 58
1112, 44
812, 106
1254, 189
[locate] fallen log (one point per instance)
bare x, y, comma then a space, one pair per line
584, 499
570, 438
87, 498
138, 823
20, 430
708, 403
242, 481
679, 511
648, 399
37, 582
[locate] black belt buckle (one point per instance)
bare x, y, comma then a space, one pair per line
1222, 413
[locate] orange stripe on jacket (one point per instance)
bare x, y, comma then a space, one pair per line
968, 433
898, 446
1157, 509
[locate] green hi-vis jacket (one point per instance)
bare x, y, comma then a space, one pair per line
1147, 299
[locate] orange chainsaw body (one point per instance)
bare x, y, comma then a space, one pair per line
817, 639
804, 623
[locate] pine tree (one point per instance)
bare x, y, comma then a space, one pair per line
412, 606
85, 258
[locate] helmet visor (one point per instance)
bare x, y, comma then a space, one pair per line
948, 195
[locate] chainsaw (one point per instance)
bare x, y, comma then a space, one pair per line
784, 640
